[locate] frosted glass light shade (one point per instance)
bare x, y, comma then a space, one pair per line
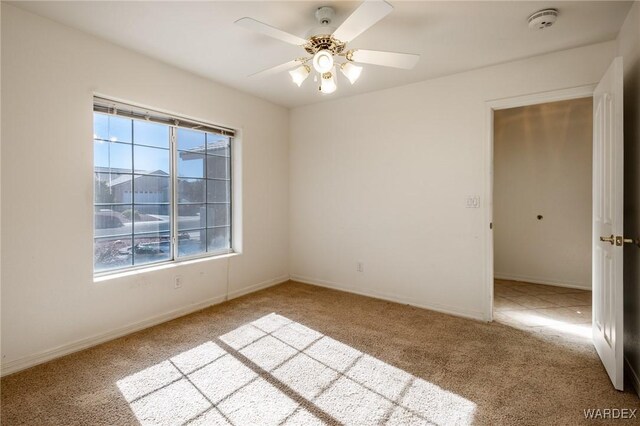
328, 83
300, 74
352, 72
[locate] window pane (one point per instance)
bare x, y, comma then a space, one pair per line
149, 133
119, 129
191, 242
111, 253
217, 145
151, 248
151, 189
218, 191
151, 218
217, 167
218, 239
191, 190
112, 220
218, 214
133, 182
190, 139
113, 156
191, 216
112, 128
100, 126
191, 164
112, 188
151, 160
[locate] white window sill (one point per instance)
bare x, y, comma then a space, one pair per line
167, 265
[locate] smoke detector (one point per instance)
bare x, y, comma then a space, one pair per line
543, 19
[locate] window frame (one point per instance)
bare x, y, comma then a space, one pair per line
174, 205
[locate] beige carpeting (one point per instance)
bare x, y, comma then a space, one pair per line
298, 354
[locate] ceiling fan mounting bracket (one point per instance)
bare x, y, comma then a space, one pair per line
324, 15
324, 42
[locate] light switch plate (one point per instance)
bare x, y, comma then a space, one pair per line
473, 202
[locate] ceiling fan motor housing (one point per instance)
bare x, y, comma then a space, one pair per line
320, 37
543, 19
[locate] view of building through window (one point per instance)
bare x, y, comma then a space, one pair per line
157, 201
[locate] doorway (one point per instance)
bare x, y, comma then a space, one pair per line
607, 210
542, 215
492, 107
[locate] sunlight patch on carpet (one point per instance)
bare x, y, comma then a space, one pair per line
276, 371
533, 319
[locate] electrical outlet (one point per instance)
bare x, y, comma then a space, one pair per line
360, 266
177, 283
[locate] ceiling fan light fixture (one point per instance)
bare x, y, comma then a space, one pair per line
351, 71
328, 83
323, 61
300, 74
325, 42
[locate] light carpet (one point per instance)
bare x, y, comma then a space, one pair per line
299, 354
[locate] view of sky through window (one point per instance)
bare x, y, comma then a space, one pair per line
135, 201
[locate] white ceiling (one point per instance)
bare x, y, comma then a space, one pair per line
451, 37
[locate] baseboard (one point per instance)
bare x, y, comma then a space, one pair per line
567, 284
635, 378
474, 315
259, 286
69, 348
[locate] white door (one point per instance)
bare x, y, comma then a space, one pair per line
607, 221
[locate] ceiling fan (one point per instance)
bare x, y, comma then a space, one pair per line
326, 46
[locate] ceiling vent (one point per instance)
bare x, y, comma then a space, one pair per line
543, 19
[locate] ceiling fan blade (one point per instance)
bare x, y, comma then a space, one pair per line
364, 17
386, 59
278, 68
261, 27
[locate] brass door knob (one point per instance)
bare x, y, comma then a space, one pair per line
610, 239
619, 241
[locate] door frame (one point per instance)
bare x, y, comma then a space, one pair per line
495, 105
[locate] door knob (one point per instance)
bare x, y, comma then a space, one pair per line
610, 239
619, 240
629, 241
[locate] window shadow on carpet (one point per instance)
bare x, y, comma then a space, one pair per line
277, 371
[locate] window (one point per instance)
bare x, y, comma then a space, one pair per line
162, 187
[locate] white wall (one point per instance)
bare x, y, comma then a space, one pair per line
383, 177
628, 45
542, 166
49, 298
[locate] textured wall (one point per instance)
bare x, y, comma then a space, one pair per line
382, 178
49, 297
